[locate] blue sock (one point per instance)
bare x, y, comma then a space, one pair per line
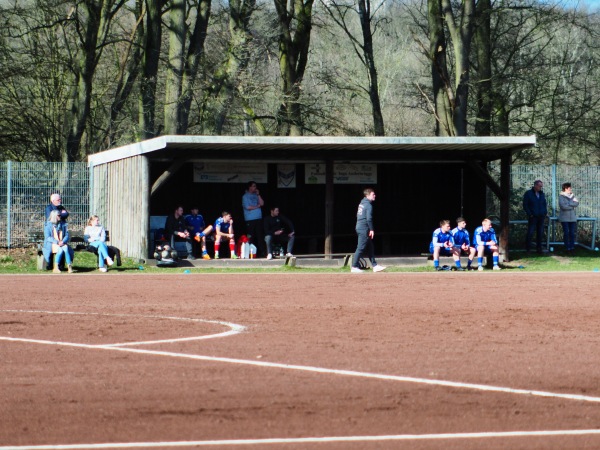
457, 263
495, 259
436, 263
469, 262
479, 261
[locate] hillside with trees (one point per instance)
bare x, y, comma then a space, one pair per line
82, 77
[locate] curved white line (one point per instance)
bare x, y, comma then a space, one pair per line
234, 328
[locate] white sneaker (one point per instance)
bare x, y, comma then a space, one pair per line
109, 261
480, 268
288, 254
379, 268
497, 268
355, 270
103, 269
269, 256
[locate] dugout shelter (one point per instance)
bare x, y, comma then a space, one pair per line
315, 181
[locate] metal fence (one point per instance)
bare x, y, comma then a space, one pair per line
25, 190
586, 186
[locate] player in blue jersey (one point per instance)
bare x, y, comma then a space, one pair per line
224, 232
487, 243
198, 229
462, 243
442, 243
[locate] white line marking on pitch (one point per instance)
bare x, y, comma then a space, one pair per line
352, 373
234, 328
308, 440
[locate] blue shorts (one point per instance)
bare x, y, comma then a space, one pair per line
444, 251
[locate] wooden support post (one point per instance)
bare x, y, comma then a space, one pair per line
504, 204
328, 250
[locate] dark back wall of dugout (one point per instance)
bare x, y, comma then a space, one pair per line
411, 200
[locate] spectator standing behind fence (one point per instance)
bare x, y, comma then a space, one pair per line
95, 235
56, 205
252, 203
176, 231
536, 208
365, 233
567, 202
278, 228
56, 238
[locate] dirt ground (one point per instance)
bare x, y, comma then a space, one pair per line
371, 361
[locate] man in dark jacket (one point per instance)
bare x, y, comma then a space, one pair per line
365, 233
278, 228
56, 204
536, 208
177, 231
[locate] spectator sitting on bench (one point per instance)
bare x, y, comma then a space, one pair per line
95, 235
56, 237
176, 231
278, 228
224, 231
486, 242
197, 227
442, 243
462, 243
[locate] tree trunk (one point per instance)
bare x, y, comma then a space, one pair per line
150, 60
173, 83
226, 78
461, 35
364, 8
443, 96
294, 40
89, 17
192, 63
484, 69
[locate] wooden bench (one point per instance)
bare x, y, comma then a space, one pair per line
77, 243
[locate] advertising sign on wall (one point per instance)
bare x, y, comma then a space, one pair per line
347, 173
230, 172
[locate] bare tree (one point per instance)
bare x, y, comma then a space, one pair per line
338, 10
295, 24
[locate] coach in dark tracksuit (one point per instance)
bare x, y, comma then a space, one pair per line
536, 208
365, 232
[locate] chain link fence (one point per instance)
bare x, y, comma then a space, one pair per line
25, 190
585, 181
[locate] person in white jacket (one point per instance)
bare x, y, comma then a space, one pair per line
567, 203
95, 235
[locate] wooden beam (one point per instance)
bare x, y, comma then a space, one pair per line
172, 170
487, 179
505, 163
328, 209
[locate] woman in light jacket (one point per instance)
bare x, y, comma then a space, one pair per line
56, 238
95, 235
567, 203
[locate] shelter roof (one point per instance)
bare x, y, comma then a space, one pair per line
315, 148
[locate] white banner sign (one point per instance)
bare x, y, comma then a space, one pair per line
230, 172
286, 175
342, 173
